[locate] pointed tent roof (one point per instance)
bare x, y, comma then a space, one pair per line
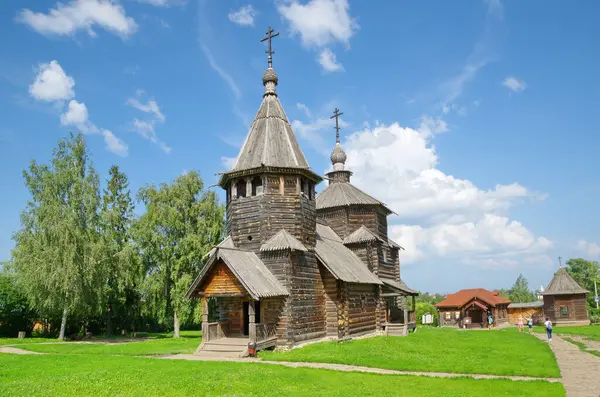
271, 143
362, 235
345, 194
563, 284
283, 240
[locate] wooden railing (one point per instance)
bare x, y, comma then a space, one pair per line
216, 330
265, 331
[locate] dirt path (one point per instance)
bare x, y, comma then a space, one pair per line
580, 370
14, 350
352, 368
589, 344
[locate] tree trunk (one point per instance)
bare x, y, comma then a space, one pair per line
109, 322
175, 326
63, 325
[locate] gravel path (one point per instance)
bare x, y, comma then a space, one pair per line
14, 350
352, 368
580, 370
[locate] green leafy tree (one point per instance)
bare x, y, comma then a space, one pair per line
53, 257
426, 307
15, 313
182, 222
426, 297
585, 272
115, 249
520, 292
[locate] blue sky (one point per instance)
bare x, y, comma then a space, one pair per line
473, 120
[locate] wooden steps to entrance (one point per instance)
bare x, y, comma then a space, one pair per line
224, 347
393, 329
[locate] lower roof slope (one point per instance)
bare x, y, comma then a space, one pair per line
341, 261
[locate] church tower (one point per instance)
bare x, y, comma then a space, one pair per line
271, 209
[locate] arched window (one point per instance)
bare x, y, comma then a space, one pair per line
241, 188
257, 186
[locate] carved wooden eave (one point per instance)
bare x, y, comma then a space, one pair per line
305, 172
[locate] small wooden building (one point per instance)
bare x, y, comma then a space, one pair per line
533, 310
565, 300
469, 308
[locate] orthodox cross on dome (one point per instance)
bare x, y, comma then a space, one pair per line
270, 34
336, 115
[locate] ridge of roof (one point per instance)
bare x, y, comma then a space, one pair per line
283, 240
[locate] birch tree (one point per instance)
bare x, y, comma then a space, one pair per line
118, 258
182, 222
53, 256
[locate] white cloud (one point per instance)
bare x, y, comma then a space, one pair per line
589, 248
146, 130
221, 72
67, 18
320, 22
163, 3
244, 16
150, 107
514, 84
329, 62
441, 215
304, 108
52, 83
76, 114
114, 144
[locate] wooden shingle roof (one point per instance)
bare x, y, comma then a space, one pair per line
398, 285
563, 284
345, 194
341, 261
283, 240
250, 271
361, 235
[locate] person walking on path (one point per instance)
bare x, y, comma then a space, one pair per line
530, 324
548, 325
520, 323
490, 322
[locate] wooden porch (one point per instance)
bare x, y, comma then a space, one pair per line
399, 321
221, 336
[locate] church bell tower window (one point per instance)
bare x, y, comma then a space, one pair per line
241, 188
257, 186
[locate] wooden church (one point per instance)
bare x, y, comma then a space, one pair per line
565, 300
297, 266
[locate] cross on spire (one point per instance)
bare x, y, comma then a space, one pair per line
336, 115
270, 34
559, 261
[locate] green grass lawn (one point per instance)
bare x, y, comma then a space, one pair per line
154, 344
588, 331
98, 375
437, 350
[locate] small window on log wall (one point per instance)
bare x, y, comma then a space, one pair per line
302, 187
241, 188
311, 191
257, 186
564, 311
447, 315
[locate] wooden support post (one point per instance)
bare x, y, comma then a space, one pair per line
248, 187
205, 333
234, 192
251, 322
406, 315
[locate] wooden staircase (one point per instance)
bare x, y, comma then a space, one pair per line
393, 329
224, 348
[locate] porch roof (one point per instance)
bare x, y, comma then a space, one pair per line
398, 286
250, 271
480, 305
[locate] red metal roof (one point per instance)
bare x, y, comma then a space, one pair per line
463, 296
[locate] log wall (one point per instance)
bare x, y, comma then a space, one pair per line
330, 285
231, 308
575, 304
362, 308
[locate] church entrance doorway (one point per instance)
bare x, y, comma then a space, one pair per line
247, 317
